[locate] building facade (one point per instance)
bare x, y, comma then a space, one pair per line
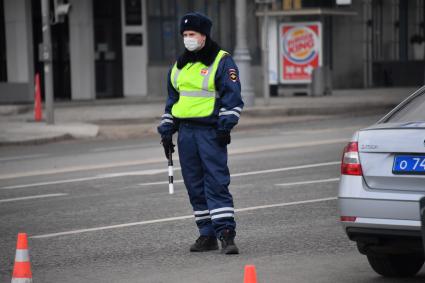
124, 48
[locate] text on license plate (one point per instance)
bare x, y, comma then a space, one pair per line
409, 164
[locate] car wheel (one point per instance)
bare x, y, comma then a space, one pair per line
396, 265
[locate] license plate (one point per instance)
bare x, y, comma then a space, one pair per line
409, 164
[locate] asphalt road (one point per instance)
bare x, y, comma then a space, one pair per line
99, 211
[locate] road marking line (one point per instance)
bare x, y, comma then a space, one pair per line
258, 172
160, 183
103, 176
137, 173
32, 197
22, 157
252, 149
308, 182
287, 168
259, 148
284, 204
83, 168
175, 218
113, 148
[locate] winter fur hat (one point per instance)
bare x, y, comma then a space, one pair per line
196, 22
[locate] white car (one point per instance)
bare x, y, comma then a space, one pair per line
381, 187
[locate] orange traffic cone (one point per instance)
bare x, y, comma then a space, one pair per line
22, 268
37, 99
250, 274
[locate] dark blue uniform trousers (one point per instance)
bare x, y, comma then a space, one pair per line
206, 176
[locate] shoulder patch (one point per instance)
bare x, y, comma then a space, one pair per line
232, 75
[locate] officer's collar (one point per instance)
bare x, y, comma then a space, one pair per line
206, 55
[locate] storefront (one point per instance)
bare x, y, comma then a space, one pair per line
368, 43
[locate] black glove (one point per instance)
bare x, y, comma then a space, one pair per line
223, 138
167, 143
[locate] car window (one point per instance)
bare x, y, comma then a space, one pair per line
413, 111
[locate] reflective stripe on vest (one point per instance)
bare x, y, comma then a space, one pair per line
195, 83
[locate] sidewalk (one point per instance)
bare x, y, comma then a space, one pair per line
129, 117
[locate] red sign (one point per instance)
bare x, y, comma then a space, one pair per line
300, 51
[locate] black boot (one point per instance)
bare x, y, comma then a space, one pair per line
204, 244
228, 245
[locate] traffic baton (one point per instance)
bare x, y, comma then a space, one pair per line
170, 171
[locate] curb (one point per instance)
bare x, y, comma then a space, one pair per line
10, 110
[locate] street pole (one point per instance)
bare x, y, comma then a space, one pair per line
47, 59
266, 55
242, 56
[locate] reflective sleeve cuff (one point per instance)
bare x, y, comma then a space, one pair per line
236, 111
167, 118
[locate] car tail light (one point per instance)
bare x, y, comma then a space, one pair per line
350, 164
348, 218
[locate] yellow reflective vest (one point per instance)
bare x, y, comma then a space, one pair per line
195, 83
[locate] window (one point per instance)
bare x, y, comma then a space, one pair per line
3, 66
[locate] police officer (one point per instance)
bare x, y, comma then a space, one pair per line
204, 104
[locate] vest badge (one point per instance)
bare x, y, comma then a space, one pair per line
204, 72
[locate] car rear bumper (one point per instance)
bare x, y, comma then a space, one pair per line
384, 223
378, 208
381, 222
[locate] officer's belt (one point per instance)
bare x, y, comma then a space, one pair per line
196, 124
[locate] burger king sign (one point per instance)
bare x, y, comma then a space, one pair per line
300, 51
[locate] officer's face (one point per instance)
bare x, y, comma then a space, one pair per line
194, 34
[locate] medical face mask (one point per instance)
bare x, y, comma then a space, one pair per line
191, 43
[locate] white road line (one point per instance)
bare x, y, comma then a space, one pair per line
137, 173
160, 183
84, 168
245, 150
287, 168
113, 148
175, 218
309, 182
103, 176
48, 183
259, 148
259, 172
12, 158
285, 204
32, 197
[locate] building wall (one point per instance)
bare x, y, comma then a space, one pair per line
134, 31
82, 50
347, 71
19, 55
157, 76
19, 39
